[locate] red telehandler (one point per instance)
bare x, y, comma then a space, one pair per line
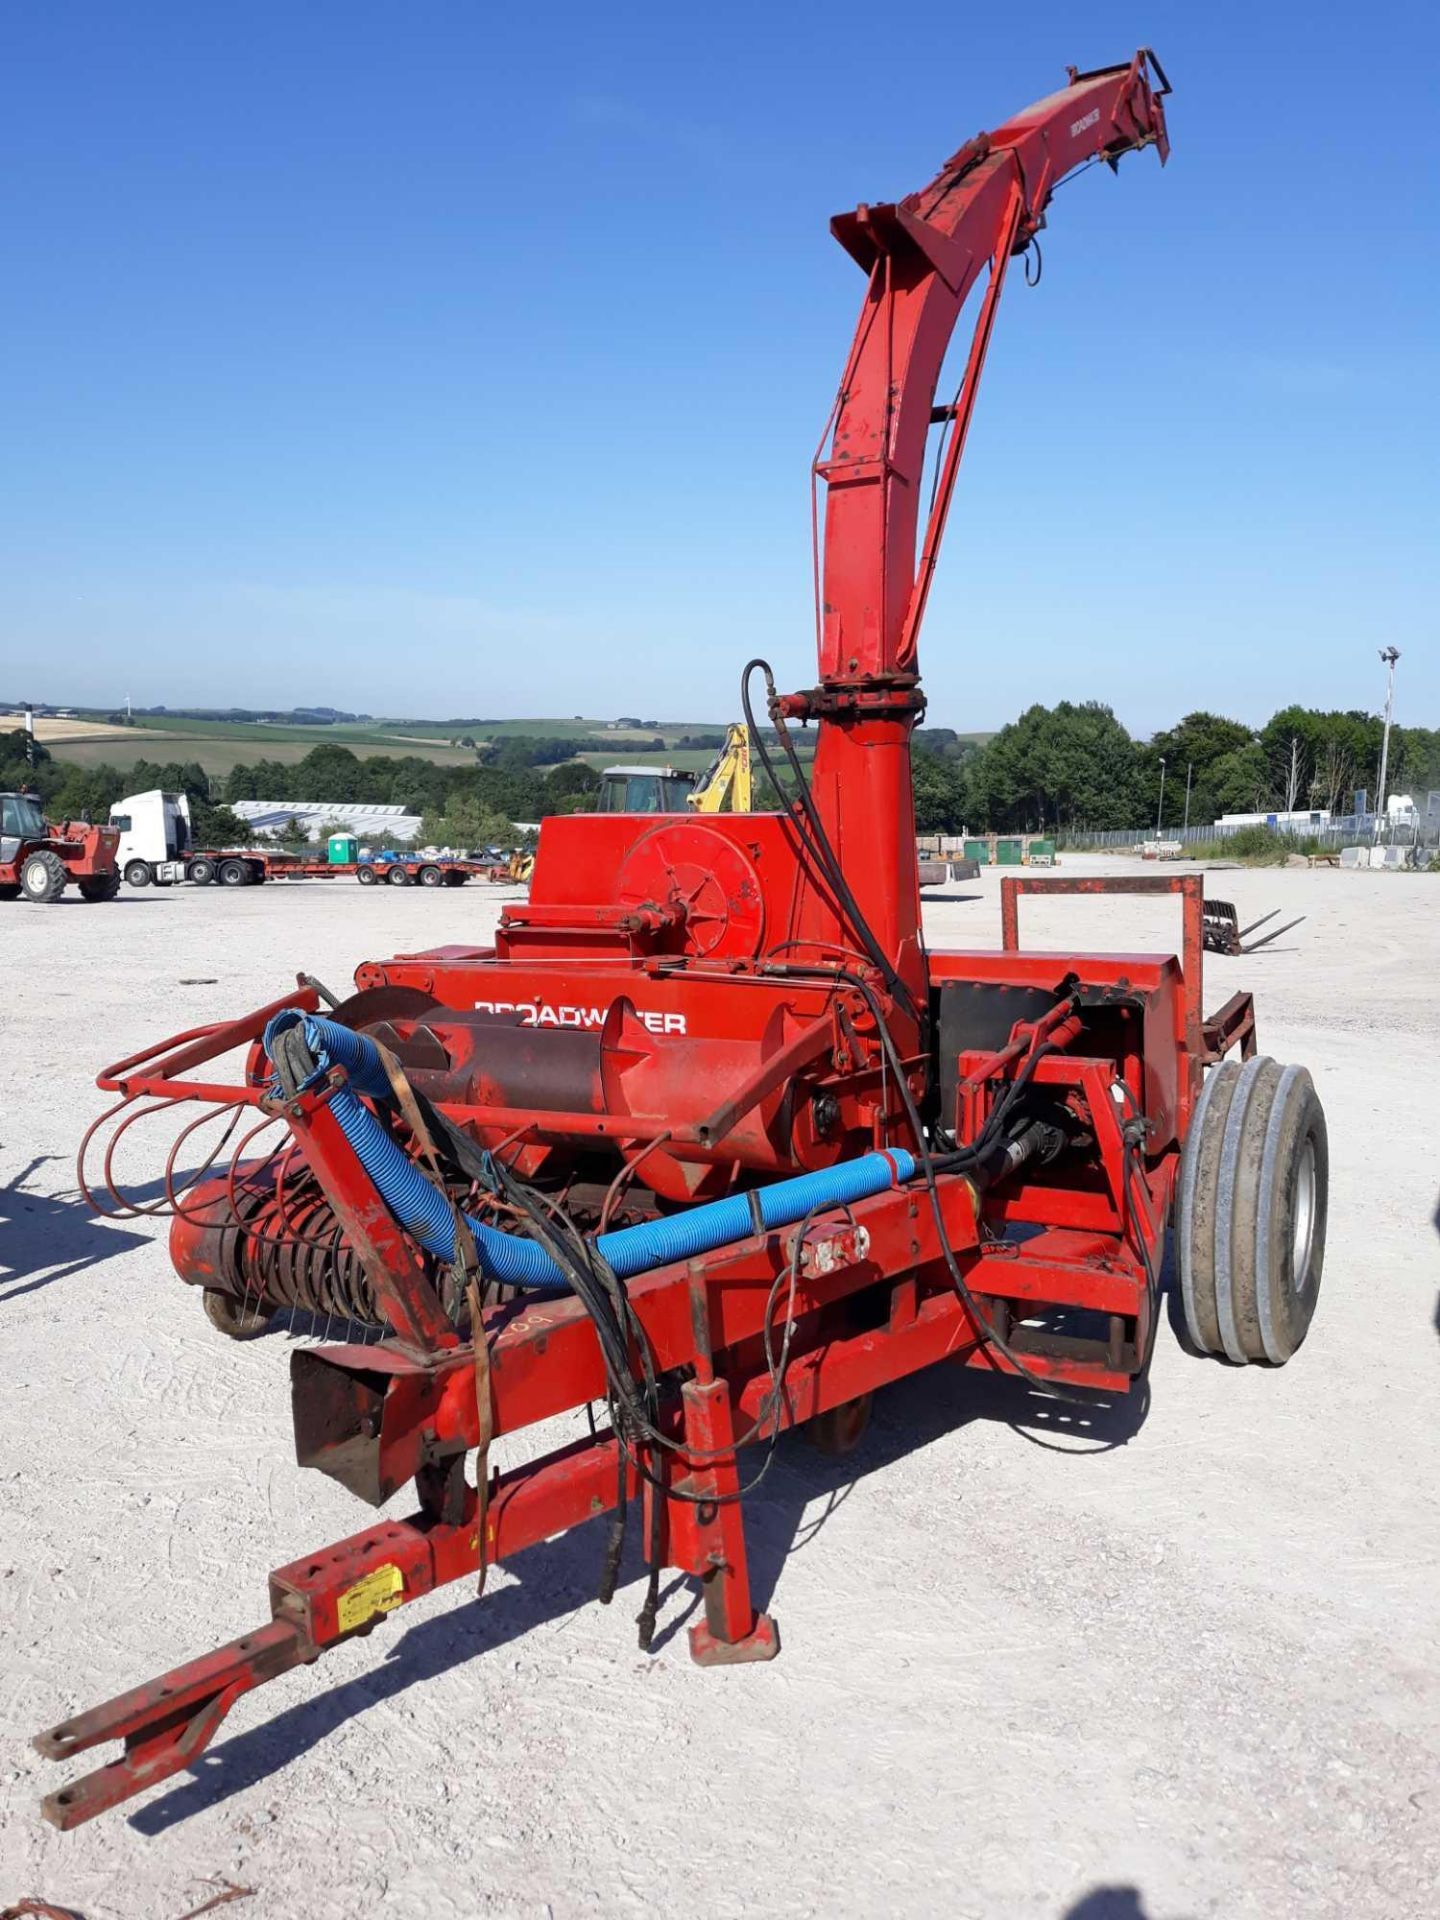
707, 1135
38, 860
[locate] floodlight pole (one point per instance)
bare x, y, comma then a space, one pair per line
1160, 808
1389, 655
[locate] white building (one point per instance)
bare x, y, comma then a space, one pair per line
319, 818
1301, 820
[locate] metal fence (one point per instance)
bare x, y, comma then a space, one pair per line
1354, 830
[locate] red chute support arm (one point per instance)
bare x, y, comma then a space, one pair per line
923, 256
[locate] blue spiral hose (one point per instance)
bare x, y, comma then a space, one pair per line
426, 1214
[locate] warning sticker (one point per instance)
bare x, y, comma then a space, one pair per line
378, 1592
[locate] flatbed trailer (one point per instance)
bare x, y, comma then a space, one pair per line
246, 866
157, 849
405, 872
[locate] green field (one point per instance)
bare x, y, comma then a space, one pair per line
219, 745
377, 734
388, 729
578, 729
225, 748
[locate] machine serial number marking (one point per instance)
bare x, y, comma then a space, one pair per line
539, 1013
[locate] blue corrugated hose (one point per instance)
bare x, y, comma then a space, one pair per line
425, 1213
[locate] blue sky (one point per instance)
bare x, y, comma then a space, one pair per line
455, 358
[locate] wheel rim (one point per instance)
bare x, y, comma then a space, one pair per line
1303, 1228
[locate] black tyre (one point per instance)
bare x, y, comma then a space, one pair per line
99, 886
236, 1319
232, 873
432, 877
397, 877
366, 876
43, 876
202, 872
138, 874
1251, 1211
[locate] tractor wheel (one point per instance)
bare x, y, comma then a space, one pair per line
839, 1430
233, 873
236, 1319
99, 886
397, 877
366, 876
138, 874
43, 876
201, 872
432, 877
1250, 1211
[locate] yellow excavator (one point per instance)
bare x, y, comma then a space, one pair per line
726, 786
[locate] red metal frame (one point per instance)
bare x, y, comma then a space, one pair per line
688, 1008
1191, 889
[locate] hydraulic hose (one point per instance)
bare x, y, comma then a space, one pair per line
427, 1214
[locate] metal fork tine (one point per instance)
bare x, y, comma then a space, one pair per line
1255, 945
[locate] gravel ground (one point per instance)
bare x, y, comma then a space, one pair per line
1175, 1659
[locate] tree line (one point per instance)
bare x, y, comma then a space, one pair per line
1074, 766
1070, 766
469, 806
71, 792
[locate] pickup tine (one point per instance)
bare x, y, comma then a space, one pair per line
1258, 923
1255, 945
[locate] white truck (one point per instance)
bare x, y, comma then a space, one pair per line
157, 845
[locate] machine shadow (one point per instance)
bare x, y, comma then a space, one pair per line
127, 897
1109, 1903
559, 1577
909, 1416
51, 1236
